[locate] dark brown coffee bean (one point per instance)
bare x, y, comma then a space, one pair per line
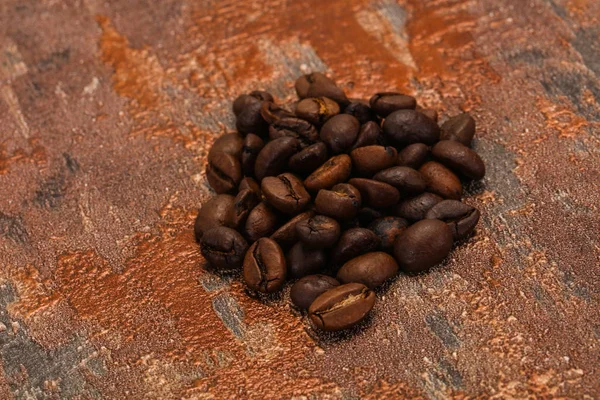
317, 110
249, 183
342, 202
415, 208
257, 96
308, 159
367, 215
369, 134
423, 245
318, 232
318, 85
336, 170
374, 193
286, 235
307, 289
407, 180
223, 172
440, 180
243, 203
253, 144
369, 160
230, 143
413, 155
354, 242
461, 218
340, 133
387, 102
218, 211
302, 260
261, 222
341, 307
250, 120
429, 113
286, 193
297, 128
360, 110
460, 128
371, 269
404, 127
273, 158
387, 230
460, 158
264, 266
272, 112
224, 248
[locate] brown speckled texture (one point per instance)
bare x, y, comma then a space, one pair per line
107, 110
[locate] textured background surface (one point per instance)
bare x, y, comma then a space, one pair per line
107, 110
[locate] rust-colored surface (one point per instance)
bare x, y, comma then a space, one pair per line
106, 114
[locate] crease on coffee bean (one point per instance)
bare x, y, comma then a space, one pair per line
288, 185
351, 299
264, 272
222, 175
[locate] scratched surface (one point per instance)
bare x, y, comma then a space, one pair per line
107, 110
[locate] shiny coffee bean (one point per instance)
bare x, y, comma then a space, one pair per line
309, 158
404, 127
369, 160
307, 289
216, 212
302, 260
223, 172
261, 222
387, 230
304, 131
250, 120
429, 113
335, 170
317, 110
369, 134
371, 269
415, 208
285, 192
413, 155
286, 235
360, 110
318, 232
342, 202
387, 102
249, 183
340, 132
460, 128
265, 267
352, 243
460, 158
253, 144
273, 158
367, 215
440, 180
341, 307
272, 112
257, 96
423, 245
319, 85
243, 203
224, 248
230, 143
407, 180
460, 217
374, 193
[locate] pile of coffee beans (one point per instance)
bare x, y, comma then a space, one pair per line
337, 194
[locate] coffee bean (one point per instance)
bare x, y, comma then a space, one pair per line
309, 158
369, 134
216, 212
369, 160
335, 170
253, 144
318, 232
261, 222
413, 155
404, 127
460, 128
249, 183
341, 307
243, 203
273, 158
354, 242
250, 120
286, 235
307, 289
285, 192
272, 112
360, 110
244, 100
440, 180
317, 110
423, 245
371, 269
230, 143
460, 158
387, 102
406, 180
224, 248
318, 85
264, 266
367, 215
461, 218
429, 113
387, 230
302, 260
342, 202
223, 172
374, 193
297, 128
415, 208
340, 132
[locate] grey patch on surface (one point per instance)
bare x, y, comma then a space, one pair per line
454, 377
587, 43
212, 282
230, 313
55, 60
580, 291
395, 14
560, 11
544, 299
533, 56
572, 83
13, 228
442, 329
71, 163
51, 192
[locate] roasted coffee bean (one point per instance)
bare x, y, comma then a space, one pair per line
216, 212
272, 112
244, 100
302, 260
404, 127
273, 158
360, 110
340, 132
429, 113
386, 103
286, 235
413, 155
371, 269
285, 192
223, 172
341, 307
250, 120
460, 128
354, 242
317, 110
460, 217
243, 203
342, 202
407, 180
415, 208
335, 170
309, 158
440, 180
224, 248
230, 143
318, 85
261, 222
367, 215
374, 193
318, 232
387, 230
253, 144
423, 245
460, 158
264, 266
307, 289
294, 127
249, 183
369, 160
369, 134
